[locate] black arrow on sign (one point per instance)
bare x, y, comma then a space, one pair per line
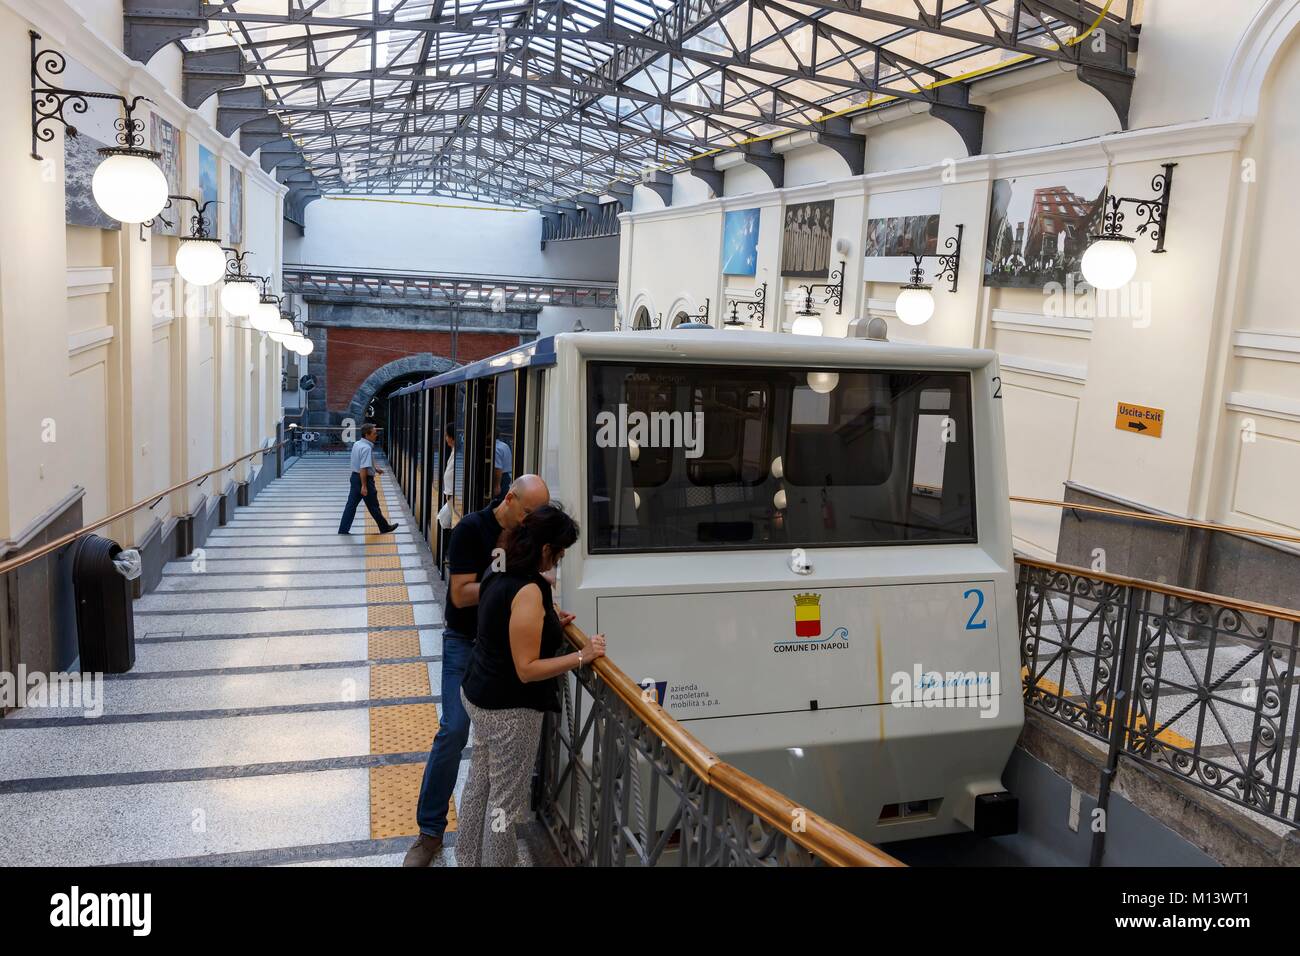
1138, 425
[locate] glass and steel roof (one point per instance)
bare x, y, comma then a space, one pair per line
534, 102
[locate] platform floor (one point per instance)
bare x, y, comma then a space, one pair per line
280, 711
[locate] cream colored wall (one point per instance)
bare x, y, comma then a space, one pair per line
1206, 331
1258, 425
102, 346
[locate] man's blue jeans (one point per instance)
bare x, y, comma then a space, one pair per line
453, 733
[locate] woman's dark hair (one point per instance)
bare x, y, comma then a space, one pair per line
450, 431
549, 524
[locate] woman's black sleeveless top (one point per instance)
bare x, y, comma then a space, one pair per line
491, 681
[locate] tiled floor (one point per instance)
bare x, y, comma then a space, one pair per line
282, 702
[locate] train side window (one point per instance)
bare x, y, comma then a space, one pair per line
458, 417
503, 434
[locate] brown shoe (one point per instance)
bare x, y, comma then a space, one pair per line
423, 850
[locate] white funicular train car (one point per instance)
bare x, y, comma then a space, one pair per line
803, 544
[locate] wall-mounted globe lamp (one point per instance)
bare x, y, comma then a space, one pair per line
807, 320
265, 315
281, 330
128, 185
200, 259
239, 293
915, 302
1110, 262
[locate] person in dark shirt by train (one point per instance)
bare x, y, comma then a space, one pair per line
512, 681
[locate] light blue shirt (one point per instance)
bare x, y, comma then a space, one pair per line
362, 455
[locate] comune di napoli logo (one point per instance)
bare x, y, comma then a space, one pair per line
808, 629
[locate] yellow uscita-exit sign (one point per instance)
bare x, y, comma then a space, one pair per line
1139, 419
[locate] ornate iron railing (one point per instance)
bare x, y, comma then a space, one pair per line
623, 784
1195, 685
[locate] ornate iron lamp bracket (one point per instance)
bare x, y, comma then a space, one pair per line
757, 308
833, 290
1153, 211
52, 104
948, 263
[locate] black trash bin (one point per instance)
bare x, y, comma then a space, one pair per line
105, 624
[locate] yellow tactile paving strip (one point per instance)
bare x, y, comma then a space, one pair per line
399, 680
401, 728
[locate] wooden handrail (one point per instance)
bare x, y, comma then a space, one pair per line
819, 836
1200, 597
1159, 519
71, 536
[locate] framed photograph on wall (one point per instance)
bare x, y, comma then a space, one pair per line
209, 184
1039, 227
740, 242
80, 160
806, 237
236, 206
166, 139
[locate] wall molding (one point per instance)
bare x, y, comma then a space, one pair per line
1265, 403
1243, 79
89, 280
1039, 323
1273, 346
1057, 371
88, 339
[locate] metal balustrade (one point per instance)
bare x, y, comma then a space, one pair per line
1196, 686
623, 784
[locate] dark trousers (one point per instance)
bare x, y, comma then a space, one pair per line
453, 733
355, 497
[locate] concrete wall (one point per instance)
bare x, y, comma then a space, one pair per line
1205, 332
116, 377
452, 236
447, 236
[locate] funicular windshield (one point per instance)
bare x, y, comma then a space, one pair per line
702, 457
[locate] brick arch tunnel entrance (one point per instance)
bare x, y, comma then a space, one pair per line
367, 347
370, 403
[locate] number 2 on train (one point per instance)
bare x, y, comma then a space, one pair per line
971, 623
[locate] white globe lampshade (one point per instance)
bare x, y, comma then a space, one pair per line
239, 298
129, 186
1109, 263
914, 305
200, 261
823, 382
265, 316
281, 331
306, 347
806, 325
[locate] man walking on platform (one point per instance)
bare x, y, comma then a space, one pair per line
469, 557
364, 484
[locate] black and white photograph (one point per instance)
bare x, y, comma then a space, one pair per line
806, 238
80, 160
1039, 227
